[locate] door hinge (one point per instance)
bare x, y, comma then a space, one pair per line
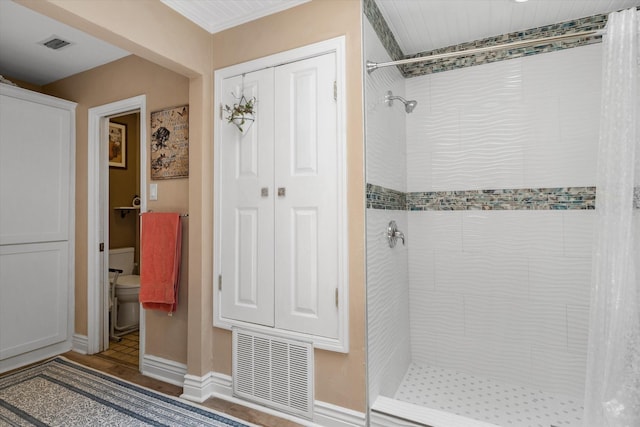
335, 90
336, 297
101, 247
220, 111
220, 282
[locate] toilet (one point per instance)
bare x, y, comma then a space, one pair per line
127, 289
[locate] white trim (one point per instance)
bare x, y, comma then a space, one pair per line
95, 298
220, 386
163, 369
79, 344
199, 389
329, 415
387, 412
337, 45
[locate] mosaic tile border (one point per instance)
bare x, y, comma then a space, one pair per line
561, 198
373, 14
590, 23
385, 198
379, 24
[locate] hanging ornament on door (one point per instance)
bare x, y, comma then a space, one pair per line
243, 113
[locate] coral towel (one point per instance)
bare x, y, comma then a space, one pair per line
160, 263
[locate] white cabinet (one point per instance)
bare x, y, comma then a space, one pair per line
37, 158
280, 202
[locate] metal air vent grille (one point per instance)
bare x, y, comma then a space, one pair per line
273, 371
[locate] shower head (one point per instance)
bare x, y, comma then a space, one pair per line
408, 105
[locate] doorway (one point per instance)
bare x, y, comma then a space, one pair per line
123, 230
102, 217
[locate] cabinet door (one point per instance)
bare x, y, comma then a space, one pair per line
306, 168
36, 193
246, 212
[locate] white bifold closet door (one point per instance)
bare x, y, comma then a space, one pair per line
279, 200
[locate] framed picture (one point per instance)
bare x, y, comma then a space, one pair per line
170, 143
117, 145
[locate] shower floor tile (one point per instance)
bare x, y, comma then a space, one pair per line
487, 400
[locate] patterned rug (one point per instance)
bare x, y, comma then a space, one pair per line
59, 392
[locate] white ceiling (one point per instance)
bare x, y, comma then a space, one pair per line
22, 30
22, 56
424, 25
218, 15
419, 25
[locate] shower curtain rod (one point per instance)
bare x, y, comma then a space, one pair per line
372, 66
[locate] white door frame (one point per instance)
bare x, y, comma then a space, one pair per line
98, 169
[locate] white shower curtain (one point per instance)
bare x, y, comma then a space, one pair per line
612, 397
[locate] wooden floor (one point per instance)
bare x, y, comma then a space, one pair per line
129, 372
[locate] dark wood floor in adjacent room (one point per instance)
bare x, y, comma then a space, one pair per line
130, 373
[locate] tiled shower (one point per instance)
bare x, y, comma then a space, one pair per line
491, 179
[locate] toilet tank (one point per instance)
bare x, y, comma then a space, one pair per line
122, 259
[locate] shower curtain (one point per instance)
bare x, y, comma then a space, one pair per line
612, 396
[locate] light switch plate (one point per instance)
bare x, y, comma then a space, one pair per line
153, 191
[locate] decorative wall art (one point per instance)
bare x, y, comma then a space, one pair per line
170, 143
117, 145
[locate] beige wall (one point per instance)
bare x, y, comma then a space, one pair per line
122, 79
340, 378
141, 28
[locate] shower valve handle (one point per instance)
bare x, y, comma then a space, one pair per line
393, 234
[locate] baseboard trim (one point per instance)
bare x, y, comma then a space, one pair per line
213, 384
198, 389
80, 344
329, 415
163, 369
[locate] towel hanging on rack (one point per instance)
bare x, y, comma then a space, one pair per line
160, 260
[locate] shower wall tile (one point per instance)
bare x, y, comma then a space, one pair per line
578, 233
574, 111
535, 125
556, 370
497, 318
482, 274
388, 298
385, 126
432, 230
437, 312
478, 168
501, 292
578, 328
524, 232
560, 279
424, 347
546, 324
498, 360
387, 270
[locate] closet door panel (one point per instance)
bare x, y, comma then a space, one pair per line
247, 204
33, 296
34, 171
306, 274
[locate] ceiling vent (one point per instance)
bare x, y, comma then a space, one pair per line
55, 43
